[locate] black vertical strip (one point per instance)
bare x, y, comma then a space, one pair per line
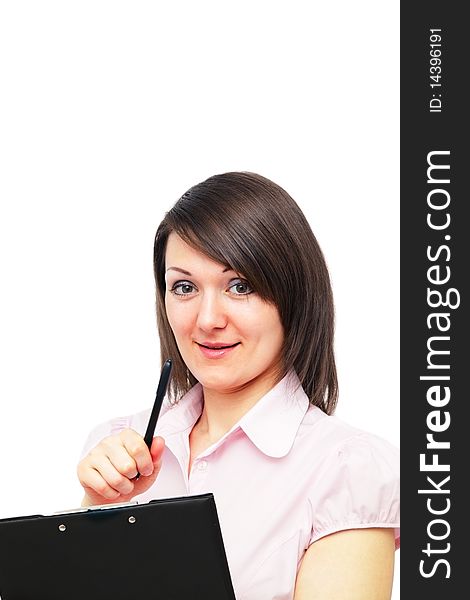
434, 270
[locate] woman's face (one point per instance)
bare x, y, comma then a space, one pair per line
227, 335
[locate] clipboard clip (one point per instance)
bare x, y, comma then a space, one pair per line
82, 509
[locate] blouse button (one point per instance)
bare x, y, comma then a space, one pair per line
202, 465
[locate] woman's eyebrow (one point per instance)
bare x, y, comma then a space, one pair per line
180, 270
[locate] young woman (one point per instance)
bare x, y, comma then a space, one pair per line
308, 505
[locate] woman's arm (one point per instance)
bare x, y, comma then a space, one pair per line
355, 564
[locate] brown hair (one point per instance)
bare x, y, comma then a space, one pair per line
250, 224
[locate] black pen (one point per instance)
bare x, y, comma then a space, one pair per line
161, 391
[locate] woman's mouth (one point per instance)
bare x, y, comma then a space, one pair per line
216, 349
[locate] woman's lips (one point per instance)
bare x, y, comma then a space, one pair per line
216, 350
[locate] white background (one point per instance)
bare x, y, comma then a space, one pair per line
109, 111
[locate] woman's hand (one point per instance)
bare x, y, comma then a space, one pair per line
107, 473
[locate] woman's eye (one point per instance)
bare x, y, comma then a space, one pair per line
240, 287
183, 288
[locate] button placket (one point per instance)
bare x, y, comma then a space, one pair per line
198, 475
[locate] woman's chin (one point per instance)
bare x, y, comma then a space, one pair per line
222, 382
217, 385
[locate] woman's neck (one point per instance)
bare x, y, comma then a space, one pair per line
222, 409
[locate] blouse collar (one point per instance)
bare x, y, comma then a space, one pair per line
271, 424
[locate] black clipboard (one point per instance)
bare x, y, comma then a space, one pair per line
170, 549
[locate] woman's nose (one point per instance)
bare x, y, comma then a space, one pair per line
212, 313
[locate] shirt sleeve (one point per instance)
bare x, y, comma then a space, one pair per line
360, 488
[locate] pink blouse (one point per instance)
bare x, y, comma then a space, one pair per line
283, 477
